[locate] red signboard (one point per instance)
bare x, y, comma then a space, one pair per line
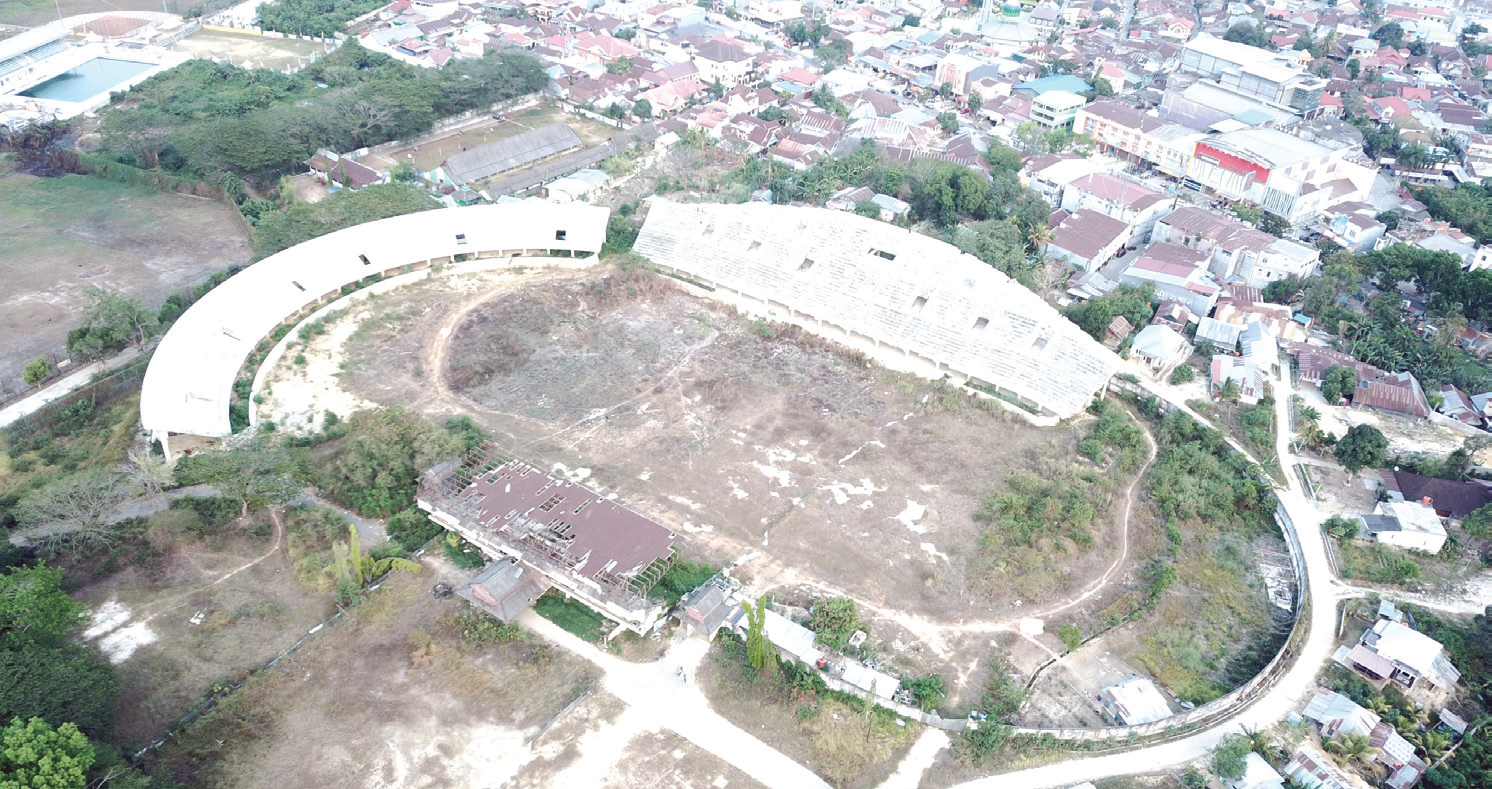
1232, 163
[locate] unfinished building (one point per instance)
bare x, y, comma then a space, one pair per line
912, 302
544, 531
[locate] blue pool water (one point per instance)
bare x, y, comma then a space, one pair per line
87, 80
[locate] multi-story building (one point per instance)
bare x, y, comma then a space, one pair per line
1266, 167
1056, 108
1273, 76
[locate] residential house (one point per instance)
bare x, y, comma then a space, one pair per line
1310, 767
1177, 273
1056, 108
1257, 774
1248, 378
1129, 202
1451, 499
1085, 239
1405, 524
1160, 349
1407, 656
1338, 716
1134, 702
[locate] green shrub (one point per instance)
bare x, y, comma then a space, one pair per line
1071, 636
681, 579
411, 529
1183, 374
834, 620
463, 554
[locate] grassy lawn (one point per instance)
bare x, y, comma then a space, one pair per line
572, 615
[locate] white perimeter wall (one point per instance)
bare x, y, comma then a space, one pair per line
189, 383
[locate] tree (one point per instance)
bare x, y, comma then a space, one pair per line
622, 66
642, 108
1247, 33
354, 570
949, 121
976, 103
1339, 382
868, 208
1389, 35
36, 372
1230, 756
254, 475
120, 315
759, 651
34, 609
60, 684
1479, 522
1364, 446
1274, 224
404, 173
945, 90
1390, 219
1352, 748
772, 114
832, 55
74, 512
33, 755
1183, 374
1354, 68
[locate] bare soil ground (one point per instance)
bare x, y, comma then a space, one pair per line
390, 696
250, 51
746, 437
64, 234
175, 626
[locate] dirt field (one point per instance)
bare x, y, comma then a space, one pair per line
391, 696
183, 623
427, 154
250, 51
64, 234
848, 477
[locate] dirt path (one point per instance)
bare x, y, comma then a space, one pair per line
185, 597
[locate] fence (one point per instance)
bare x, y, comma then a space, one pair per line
108, 388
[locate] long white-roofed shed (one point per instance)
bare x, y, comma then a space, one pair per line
867, 282
189, 384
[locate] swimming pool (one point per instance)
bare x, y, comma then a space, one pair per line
87, 80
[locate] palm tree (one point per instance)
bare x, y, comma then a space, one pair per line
1380, 706
1309, 414
1434, 744
1259, 742
1353, 748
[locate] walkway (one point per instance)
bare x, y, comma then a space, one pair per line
65, 386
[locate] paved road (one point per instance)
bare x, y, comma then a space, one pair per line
655, 691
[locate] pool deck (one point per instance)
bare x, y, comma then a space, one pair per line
12, 85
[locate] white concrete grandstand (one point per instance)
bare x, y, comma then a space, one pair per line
189, 384
875, 284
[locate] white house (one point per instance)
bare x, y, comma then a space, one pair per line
1406, 524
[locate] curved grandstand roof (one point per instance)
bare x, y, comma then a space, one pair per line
886, 283
189, 383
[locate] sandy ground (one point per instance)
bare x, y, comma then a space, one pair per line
429, 152
298, 395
